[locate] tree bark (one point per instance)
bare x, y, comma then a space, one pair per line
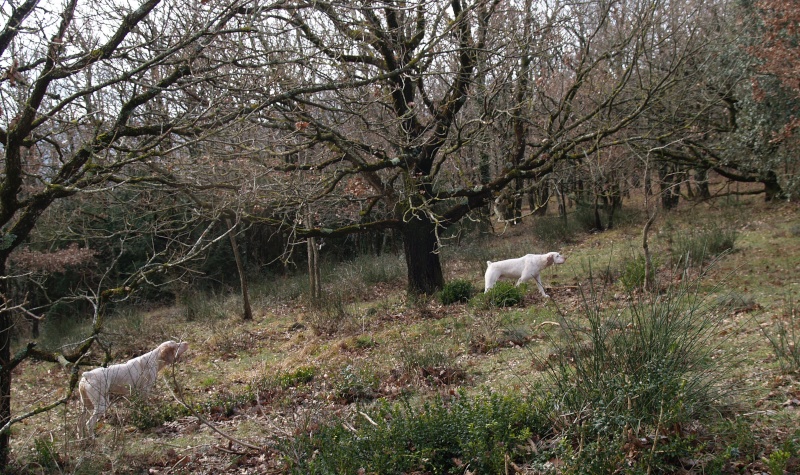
772, 189
248, 311
314, 276
6, 324
421, 247
701, 178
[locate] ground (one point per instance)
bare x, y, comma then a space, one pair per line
297, 364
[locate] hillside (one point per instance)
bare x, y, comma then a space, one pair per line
300, 365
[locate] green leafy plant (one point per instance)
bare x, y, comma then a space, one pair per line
503, 294
477, 433
777, 461
456, 291
302, 375
356, 384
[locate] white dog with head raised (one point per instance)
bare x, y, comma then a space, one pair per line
135, 376
522, 268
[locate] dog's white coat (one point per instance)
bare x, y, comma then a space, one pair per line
522, 268
135, 376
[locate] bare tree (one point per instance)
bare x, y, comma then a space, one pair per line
416, 140
97, 98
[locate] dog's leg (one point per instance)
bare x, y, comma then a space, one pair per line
490, 278
541, 287
528, 273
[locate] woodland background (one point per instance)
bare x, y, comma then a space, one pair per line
159, 154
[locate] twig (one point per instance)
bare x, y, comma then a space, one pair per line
208, 423
368, 418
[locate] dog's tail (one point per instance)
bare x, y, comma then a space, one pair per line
488, 263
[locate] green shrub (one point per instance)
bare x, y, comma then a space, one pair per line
503, 294
776, 462
147, 414
356, 384
297, 377
46, 456
633, 272
480, 434
456, 291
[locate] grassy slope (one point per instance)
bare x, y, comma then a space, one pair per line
387, 340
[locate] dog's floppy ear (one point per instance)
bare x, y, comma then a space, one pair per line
550, 259
171, 350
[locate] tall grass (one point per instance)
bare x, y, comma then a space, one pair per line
784, 338
628, 373
695, 247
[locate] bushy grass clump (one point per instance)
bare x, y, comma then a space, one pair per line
476, 433
651, 368
329, 314
301, 375
555, 230
695, 247
147, 414
456, 291
366, 270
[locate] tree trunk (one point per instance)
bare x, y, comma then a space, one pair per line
772, 189
670, 186
248, 311
598, 223
701, 178
6, 324
314, 273
539, 197
422, 256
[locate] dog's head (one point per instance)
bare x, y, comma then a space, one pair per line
555, 258
169, 351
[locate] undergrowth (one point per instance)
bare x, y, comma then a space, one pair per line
620, 391
698, 246
447, 435
630, 379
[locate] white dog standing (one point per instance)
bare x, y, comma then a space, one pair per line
522, 268
136, 375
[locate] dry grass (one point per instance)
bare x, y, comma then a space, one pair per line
393, 348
